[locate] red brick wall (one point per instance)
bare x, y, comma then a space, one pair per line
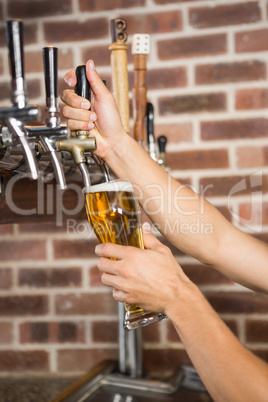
207, 79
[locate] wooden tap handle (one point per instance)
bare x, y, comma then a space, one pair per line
119, 69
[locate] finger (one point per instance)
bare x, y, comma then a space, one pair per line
150, 241
94, 79
70, 78
120, 296
111, 250
108, 265
80, 125
70, 98
111, 280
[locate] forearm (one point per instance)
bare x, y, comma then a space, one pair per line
188, 221
230, 372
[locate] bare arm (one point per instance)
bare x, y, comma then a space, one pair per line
173, 207
230, 372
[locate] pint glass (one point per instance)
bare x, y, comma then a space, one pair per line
114, 215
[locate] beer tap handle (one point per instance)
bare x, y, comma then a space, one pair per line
150, 130
83, 89
50, 61
14, 117
54, 132
14, 35
162, 142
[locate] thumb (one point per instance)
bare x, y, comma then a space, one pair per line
149, 239
96, 83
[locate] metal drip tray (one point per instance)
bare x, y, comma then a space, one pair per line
104, 384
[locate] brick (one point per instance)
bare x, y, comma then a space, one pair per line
224, 15
251, 99
6, 332
237, 302
29, 34
5, 89
164, 361
23, 305
96, 5
52, 332
55, 277
65, 31
162, 22
71, 332
39, 332
193, 46
5, 278
254, 214
34, 62
252, 156
251, 41
30, 9
100, 54
166, 78
151, 333
34, 88
256, 331
46, 227
6, 229
234, 129
22, 250
65, 59
230, 72
224, 186
83, 303
204, 275
83, 360
175, 133
104, 331
36, 360
95, 276
74, 248
198, 159
192, 103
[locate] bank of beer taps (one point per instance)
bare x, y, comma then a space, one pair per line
24, 141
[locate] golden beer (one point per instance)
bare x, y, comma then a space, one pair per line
114, 215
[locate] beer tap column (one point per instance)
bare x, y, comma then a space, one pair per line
80, 140
47, 136
20, 113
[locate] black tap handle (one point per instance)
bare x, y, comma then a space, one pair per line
14, 34
82, 87
150, 122
162, 142
50, 60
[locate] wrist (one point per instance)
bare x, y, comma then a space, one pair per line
184, 310
118, 150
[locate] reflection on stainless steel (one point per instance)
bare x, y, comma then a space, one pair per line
105, 384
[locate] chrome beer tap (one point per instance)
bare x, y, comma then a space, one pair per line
80, 142
13, 119
48, 135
